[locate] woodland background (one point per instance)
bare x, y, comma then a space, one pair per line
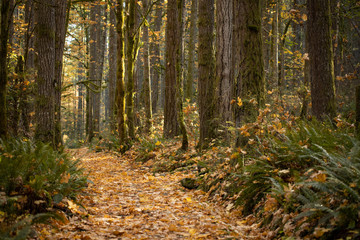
262, 96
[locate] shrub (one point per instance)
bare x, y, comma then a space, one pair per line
33, 177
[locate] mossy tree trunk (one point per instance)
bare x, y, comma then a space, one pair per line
131, 56
249, 66
179, 73
113, 64
224, 79
4, 35
120, 76
206, 84
274, 47
45, 65
92, 73
155, 56
62, 6
357, 111
171, 125
322, 78
101, 35
147, 80
190, 77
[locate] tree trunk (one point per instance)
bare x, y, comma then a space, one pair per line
206, 87
92, 74
45, 65
249, 67
274, 48
131, 55
322, 78
155, 59
179, 73
224, 80
62, 6
191, 48
120, 76
5, 15
171, 125
112, 67
147, 81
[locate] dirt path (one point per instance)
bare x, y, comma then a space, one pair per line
126, 201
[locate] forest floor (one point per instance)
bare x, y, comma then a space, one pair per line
127, 201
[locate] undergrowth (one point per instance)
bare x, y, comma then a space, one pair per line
34, 178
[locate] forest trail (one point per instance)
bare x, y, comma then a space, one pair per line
127, 201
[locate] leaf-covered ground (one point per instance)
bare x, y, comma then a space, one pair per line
127, 201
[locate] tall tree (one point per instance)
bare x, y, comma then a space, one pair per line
248, 61
171, 125
147, 81
155, 56
131, 56
101, 32
206, 86
322, 78
112, 65
92, 72
60, 22
224, 79
45, 65
179, 73
120, 76
4, 35
190, 77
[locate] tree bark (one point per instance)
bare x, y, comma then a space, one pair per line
156, 54
224, 80
131, 56
62, 6
249, 67
206, 85
45, 65
147, 80
171, 125
179, 73
112, 66
5, 15
322, 78
191, 48
120, 76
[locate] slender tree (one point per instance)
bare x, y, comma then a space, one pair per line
4, 25
190, 77
147, 81
112, 65
155, 56
131, 56
120, 76
206, 88
322, 78
179, 73
62, 6
171, 125
45, 65
248, 61
224, 79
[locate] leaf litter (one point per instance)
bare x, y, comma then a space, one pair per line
125, 200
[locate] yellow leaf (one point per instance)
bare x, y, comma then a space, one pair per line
158, 143
304, 17
188, 199
173, 228
192, 231
320, 177
320, 231
239, 102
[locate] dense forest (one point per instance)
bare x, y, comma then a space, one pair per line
252, 104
